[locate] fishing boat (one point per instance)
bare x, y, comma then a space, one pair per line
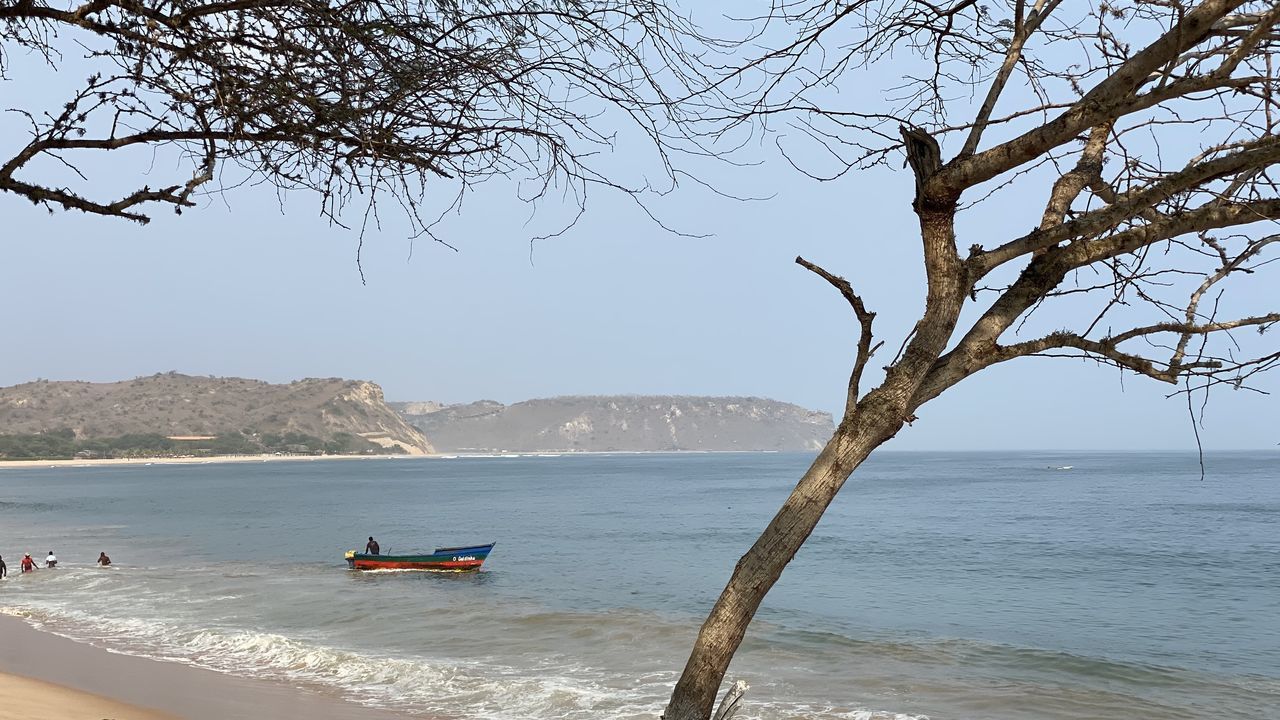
467, 558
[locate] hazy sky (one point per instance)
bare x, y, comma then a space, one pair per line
617, 305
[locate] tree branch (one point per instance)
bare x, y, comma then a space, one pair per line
1256, 154
865, 318
1024, 27
1097, 105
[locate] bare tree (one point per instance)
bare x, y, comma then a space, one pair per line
1146, 126
353, 99
1146, 129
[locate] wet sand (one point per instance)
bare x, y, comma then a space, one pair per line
49, 677
23, 698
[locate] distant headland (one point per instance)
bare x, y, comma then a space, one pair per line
620, 423
175, 415
171, 415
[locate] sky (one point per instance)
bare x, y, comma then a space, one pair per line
245, 285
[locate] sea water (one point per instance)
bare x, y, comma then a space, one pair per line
966, 585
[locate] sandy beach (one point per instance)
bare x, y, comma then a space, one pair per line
203, 460
52, 678
218, 459
23, 698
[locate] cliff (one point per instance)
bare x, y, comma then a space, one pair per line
351, 411
620, 423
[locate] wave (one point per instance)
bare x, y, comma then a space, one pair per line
479, 689
29, 506
831, 713
1011, 660
550, 664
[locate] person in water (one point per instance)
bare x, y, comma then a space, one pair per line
28, 564
371, 547
103, 560
51, 561
4, 570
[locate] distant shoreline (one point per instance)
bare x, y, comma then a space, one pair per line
271, 457
223, 459
206, 460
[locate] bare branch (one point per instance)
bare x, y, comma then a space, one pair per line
1024, 26
865, 318
357, 99
1096, 105
1068, 187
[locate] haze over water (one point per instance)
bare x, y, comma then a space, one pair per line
947, 585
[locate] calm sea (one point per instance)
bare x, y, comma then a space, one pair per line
942, 585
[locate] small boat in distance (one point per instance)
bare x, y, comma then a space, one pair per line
467, 558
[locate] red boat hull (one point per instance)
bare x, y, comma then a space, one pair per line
467, 558
460, 566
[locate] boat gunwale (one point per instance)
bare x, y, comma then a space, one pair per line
464, 547
440, 553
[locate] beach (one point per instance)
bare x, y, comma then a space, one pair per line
23, 698
193, 460
49, 677
274, 458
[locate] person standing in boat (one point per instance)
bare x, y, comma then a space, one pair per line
371, 547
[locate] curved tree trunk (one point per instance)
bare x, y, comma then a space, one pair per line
867, 423
695, 693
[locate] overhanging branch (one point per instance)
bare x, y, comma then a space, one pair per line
865, 318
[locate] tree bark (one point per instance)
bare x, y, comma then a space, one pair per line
695, 693
867, 423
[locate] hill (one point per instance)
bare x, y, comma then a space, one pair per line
221, 414
619, 423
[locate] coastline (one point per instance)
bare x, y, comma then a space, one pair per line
206, 460
48, 676
222, 459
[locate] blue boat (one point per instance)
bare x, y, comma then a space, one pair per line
466, 558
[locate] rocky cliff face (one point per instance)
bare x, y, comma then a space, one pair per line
174, 404
620, 423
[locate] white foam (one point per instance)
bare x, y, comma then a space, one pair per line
474, 688
480, 690
822, 712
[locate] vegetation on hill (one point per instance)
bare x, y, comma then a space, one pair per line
63, 444
137, 417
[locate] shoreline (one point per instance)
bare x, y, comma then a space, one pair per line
224, 459
52, 677
204, 460
228, 459
22, 698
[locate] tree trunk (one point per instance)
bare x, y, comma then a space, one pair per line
695, 693
875, 418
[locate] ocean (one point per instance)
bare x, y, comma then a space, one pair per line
939, 585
